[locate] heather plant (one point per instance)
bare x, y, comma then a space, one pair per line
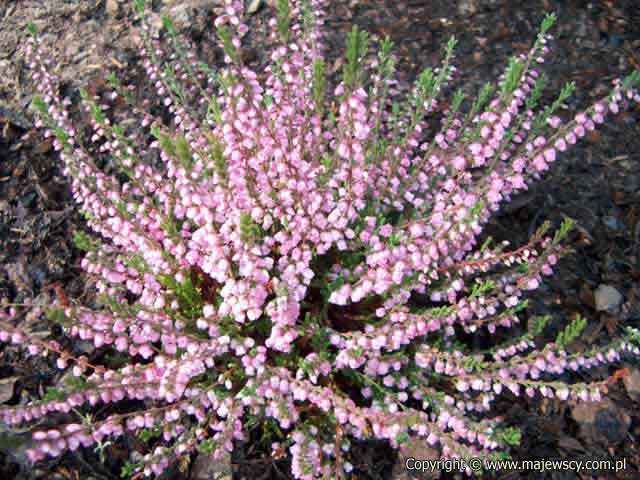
304, 255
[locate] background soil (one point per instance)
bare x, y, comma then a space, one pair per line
597, 184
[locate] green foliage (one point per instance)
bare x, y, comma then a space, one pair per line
84, 242
167, 23
486, 244
329, 288
248, 391
186, 293
96, 112
113, 79
439, 312
217, 156
536, 93
327, 161
633, 334
538, 324
320, 340
565, 227
470, 363
357, 48
140, 5
183, 151
482, 99
429, 84
39, 104
542, 117
213, 111
167, 144
53, 394
207, 446
572, 331
509, 436
474, 211
77, 384
225, 37
319, 82
250, 232
116, 360
129, 469
56, 315
632, 80
481, 288
138, 263
32, 29
284, 19
457, 100
541, 231
547, 23
147, 434
426, 83
402, 438
10, 442
512, 77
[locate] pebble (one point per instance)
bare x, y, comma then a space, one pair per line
112, 7
608, 299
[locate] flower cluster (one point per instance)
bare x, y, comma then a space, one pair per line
286, 249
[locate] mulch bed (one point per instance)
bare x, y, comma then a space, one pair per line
597, 184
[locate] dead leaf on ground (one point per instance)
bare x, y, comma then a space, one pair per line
602, 422
632, 384
6, 388
570, 444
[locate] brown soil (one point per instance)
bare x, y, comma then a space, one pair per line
597, 184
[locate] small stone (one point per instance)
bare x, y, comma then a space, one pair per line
254, 6
208, 468
466, 7
112, 7
608, 299
182, 16
603, 422
632, 384
613, 223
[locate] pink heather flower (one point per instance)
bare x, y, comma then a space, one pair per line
562, 393
539, 163
386, 230
561, 145
475, 149
462, 386
539, 142
550, 155
208, 311
477, 384
532, 284
554, 121
459, 162
222, 248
